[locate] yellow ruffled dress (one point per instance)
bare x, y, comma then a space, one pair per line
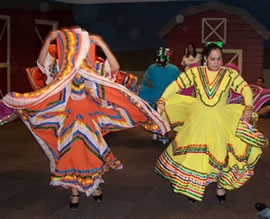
206, 148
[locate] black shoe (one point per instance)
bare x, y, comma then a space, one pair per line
98, 198
221, 198
73, 205
260, 206
191, 200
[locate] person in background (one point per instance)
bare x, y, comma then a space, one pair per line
78, 106
191, 56
260, 82
261, 98
264, 110
158, 76
155, 80
211, 143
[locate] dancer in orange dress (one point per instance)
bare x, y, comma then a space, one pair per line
79, 105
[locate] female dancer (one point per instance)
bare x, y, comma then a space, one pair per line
214, 140
79, 105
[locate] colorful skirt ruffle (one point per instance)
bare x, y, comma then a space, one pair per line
7, 114
205, 148
70, 116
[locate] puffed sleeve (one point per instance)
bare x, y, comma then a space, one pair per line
240, 86
50, 69
183, 81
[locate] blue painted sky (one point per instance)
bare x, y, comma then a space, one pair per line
133, 26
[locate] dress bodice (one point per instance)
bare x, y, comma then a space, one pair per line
211, 88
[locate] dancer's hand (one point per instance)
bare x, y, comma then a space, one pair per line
160, 107
247, 114
52, 35
44, 50
98, 40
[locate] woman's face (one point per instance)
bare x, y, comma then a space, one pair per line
214, 60
190, 48
259, 82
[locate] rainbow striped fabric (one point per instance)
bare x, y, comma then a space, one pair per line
70, 116
260, 96
207, 147
7, 115
249, 134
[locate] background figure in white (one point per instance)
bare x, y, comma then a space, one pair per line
191, 56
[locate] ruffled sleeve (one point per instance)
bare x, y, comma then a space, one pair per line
240, 86
184, 80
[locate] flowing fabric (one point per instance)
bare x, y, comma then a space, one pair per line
70, 115
260, 96
7, 114
206, 148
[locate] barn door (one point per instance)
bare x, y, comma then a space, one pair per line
215, 29
4, 54
42, 28
233, 56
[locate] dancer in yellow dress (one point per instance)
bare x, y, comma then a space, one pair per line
208, 147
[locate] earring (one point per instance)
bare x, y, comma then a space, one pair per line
205, 61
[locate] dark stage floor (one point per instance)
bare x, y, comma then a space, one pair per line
134, 192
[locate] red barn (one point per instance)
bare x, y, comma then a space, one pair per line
22, 34
242, 35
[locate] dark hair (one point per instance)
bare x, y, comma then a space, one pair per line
194, 53
261, 79
163, 56
207, 50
